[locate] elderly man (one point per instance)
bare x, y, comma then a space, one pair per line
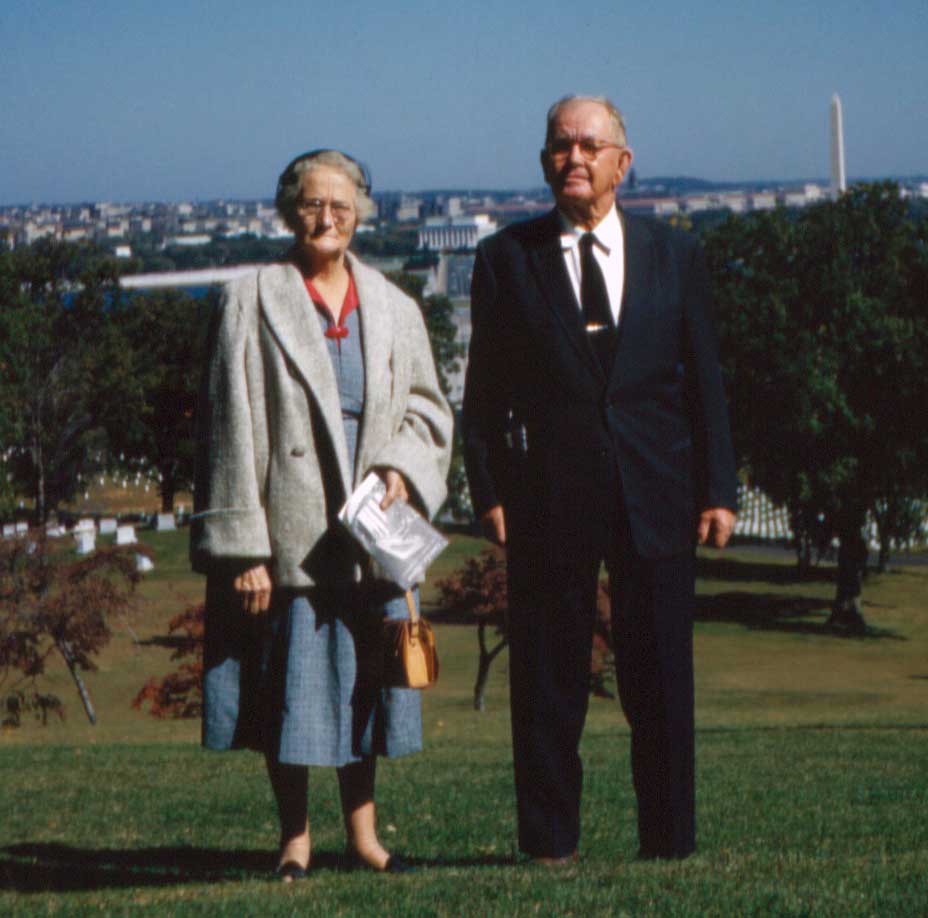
596, 430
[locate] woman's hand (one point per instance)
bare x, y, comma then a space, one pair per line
254, 588
396, 487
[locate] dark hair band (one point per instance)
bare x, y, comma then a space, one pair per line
289, 174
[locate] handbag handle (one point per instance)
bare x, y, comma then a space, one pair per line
411, 605
413, 617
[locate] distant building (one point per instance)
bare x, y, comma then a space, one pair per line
455, 232
408, 209
697, 202
734, 201
193, 239
763, 200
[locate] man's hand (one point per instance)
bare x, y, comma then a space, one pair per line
396, 487
254, 588
494, 525
715, 526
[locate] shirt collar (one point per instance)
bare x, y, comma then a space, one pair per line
608, 232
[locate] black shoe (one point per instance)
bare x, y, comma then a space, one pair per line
290, 871
394, 864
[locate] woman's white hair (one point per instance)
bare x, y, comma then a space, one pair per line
290, 183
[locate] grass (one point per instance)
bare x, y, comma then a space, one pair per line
812, 783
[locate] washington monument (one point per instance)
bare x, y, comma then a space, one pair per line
838, 179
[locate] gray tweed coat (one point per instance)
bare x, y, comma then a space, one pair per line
272, 465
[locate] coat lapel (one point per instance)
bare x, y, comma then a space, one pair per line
377, 344
547, 261
291, 317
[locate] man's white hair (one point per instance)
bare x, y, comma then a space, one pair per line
615, 116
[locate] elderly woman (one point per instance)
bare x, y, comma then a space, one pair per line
320, 372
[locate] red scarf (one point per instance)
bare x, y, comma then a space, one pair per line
335, 328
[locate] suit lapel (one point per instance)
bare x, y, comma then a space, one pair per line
547, 261
641, 288
291, 317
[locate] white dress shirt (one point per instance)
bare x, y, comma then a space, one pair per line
608, 250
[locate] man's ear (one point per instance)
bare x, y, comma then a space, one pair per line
625, 163
545, 165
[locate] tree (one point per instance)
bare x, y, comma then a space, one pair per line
51, 603
438, 312
824, 343
55, 300
179, 694
478, 590
156, 355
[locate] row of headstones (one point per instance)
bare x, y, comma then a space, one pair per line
759, 518
85, 534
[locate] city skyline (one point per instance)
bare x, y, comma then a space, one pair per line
194, 101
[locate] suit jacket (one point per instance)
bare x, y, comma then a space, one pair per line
272, 464
559, 442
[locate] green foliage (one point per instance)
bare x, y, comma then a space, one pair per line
55, 305
234, 250
386, 242
156, 356
438, 311
825, 347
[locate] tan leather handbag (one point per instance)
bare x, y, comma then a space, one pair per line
410, 654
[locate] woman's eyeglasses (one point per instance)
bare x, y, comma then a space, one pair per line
342, 212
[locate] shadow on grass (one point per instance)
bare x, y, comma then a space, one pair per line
170, 641
52, 867
775, 612
731, 569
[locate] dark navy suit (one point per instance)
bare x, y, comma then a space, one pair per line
593, 466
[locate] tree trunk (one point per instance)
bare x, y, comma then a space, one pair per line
65, 650
483, 664
168, 487
803, 556
852, 565
38, 461
883, 559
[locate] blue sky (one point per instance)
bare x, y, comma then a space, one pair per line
198, 99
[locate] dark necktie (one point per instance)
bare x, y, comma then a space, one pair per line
594, 300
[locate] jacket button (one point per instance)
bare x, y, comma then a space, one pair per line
298, 451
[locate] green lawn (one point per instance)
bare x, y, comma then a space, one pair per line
812, 780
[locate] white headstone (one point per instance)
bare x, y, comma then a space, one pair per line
85, 523
165, 522
143, 564
55, 532
22, 528
107, 526
125, 535
9, 530
86, 541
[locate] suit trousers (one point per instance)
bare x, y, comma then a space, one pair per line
552, 614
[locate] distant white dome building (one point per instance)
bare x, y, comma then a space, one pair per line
457, 232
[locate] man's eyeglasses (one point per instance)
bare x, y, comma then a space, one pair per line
342, 212
561, 147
